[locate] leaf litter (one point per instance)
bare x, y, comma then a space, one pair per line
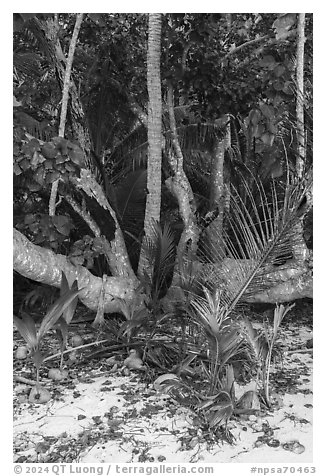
99, 415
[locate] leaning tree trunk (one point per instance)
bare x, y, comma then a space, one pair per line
45, 266
114, 251
154, 161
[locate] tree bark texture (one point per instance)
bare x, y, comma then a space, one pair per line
300, 250
76, 109
66, 81
154, 131
287, 282
64, 103
217, 195
45, 266
300, 96
116, 250
180, 187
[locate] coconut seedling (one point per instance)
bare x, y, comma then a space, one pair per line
67, 315
223, 338
279, 313
261, 345
33, 337
259, 228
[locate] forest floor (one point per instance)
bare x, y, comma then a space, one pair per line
99, 415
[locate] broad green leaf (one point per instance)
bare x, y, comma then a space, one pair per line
77, 157
64, 287
268, 111
62, 331
68, 313
27, 329
222, 416
267, 61
55, 312
163, 378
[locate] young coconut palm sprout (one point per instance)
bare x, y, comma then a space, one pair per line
259, 230
279, 313
261, 345
33, 336
67, 315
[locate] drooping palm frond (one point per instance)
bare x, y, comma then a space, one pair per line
160, 252
196, 139
130, 154
255, 340
27, 65
39, 129
197, 136
33, 32
130, 196
257, 236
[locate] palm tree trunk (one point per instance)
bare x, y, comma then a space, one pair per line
300, 250
300, 96
154, 161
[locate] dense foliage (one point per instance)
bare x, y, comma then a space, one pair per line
230, 95
243, 67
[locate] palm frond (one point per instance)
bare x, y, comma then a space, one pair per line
196, 138
130, 196
27, 329
257, 345
210, 312
160, 252
231, 345
36, 27
33, 33
27, 65
130, 204
259, 233
55, 311
69, 312
130, 153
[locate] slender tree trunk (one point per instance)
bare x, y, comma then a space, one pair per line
64, 103
154, 161
180, 187
51, 28
300, 96
300, 250
217, 196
